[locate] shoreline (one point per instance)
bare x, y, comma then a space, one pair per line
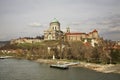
108, 68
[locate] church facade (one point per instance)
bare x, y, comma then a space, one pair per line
54, 32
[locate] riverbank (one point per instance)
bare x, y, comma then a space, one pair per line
108, 68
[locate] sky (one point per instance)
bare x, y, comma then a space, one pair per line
29, 18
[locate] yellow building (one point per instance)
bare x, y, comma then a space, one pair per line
70, 36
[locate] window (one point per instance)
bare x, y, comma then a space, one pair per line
49, 37
55, 27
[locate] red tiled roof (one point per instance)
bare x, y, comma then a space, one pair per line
87, 44
77, 33
95, 30
90, 32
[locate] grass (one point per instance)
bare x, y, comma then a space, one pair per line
38, 44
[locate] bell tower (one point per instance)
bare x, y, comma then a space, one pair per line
67, 30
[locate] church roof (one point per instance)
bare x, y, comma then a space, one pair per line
94, 30
54, 20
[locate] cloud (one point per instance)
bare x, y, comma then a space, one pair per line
110, 27
107, 26
117, 29
112, 23
35, 24
114, 35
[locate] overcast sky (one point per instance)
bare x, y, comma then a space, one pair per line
29, 18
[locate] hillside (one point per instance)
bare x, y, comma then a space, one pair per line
62, 50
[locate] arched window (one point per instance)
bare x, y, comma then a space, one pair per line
55, 28
49, 37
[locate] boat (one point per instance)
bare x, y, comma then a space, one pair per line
59, 66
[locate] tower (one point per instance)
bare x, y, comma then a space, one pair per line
95, 34
67, 30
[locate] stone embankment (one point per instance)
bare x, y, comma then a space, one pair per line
108, 68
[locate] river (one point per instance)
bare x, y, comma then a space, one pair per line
16, 69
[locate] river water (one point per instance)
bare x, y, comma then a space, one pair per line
15, 69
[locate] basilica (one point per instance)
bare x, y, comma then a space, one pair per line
54, 33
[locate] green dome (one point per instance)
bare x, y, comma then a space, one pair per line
55, 20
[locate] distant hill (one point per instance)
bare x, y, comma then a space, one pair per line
2, 43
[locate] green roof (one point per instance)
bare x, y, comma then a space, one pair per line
54, 20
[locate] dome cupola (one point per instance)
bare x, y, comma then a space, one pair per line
55, 25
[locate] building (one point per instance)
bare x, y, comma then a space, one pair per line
91, 38
71, 36
24, 40
54, 32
